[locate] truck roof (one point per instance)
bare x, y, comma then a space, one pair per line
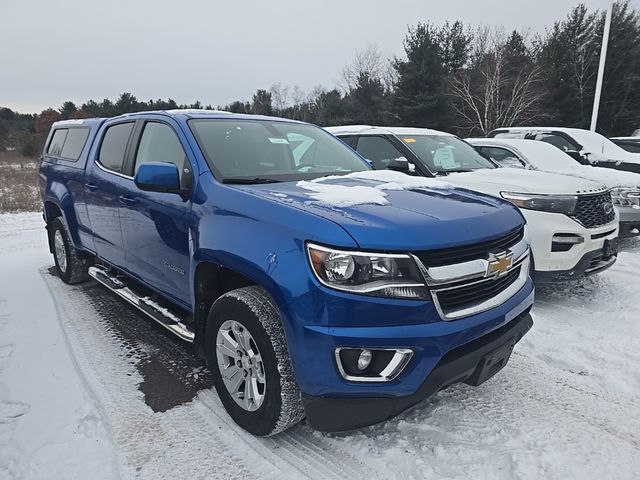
187, 113
374, 130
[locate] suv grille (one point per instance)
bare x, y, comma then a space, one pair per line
448, 256
592, 211
474, 294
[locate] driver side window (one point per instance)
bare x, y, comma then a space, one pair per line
159, 143
379, 150
557, 141
503, 157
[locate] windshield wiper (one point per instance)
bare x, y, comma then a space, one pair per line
454, 170
249, 181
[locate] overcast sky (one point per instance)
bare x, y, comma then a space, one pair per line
215, 51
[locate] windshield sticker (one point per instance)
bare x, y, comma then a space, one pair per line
409, 140
282, 141
443, 158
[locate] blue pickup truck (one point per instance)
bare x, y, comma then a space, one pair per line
313, 285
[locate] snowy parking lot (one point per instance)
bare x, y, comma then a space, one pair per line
91, 389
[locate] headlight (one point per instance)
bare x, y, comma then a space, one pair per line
625, 197
546, 203
377, 274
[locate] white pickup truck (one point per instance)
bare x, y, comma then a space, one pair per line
572, 222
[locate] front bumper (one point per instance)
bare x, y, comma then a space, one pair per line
546, 262
590, 264
472, 363
629, 222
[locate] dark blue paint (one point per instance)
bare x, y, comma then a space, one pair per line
158, 177
161, 238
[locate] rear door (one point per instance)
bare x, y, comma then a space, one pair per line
106, 183
155, 226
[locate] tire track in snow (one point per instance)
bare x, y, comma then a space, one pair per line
149, 445
140, 345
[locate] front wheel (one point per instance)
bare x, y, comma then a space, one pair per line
71, 266
251, 369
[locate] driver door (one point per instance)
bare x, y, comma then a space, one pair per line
155, 225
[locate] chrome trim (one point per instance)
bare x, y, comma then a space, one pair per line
451, 277
396, 365
459, 272
105, 169
493, 302
172, 324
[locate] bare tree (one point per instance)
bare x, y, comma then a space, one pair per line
369, 62
279, 96
496, 89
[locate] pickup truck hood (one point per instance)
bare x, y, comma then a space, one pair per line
390, 211
494, 181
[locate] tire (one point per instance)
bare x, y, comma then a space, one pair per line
277, 405
71, 266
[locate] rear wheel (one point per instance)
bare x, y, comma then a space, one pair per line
252, 372
71, 266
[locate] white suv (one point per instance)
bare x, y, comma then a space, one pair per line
572, 223
625, 186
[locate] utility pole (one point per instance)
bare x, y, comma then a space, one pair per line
603, 60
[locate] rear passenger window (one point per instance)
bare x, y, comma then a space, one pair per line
114, 145
57, 142
74, 144
159, 143
68, 143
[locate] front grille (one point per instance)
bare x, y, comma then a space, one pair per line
470, 295
591, 210
465, 253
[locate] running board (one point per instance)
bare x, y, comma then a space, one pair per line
146, 305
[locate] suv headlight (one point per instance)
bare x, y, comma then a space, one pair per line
545, 203
625, 197
377, 274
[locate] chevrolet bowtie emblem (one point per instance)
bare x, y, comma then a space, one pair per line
499, 264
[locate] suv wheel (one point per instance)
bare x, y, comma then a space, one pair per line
251, 369
70, 265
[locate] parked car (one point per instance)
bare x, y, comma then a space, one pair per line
589, 148
630, 144
573, 225
312, 284
625, 186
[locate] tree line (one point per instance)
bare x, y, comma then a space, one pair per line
453, 77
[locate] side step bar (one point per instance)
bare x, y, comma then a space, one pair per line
145, 304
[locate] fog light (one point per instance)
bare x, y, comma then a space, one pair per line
371, 364
364, 360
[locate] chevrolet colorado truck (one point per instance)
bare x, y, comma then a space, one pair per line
313, 285
572, 222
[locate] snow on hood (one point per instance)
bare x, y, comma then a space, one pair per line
325, 190
523, 181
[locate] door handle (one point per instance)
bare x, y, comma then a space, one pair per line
127, 200
91, 187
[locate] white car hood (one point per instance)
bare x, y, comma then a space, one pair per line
606, 176
494, 181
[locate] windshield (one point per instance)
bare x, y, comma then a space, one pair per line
445, 154
262, 151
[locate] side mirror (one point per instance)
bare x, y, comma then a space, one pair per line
158, 177
399, 165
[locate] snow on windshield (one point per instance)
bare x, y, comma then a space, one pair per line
345, 195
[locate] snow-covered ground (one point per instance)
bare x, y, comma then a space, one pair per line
74, 398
